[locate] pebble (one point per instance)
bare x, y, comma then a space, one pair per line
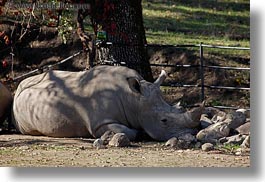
99, 144
172, 142
238, 151
207, 147
180, 151
24, 148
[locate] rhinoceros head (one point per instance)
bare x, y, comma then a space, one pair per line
158, 119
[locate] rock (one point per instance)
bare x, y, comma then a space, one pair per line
24, 148
223, 140
197, 145
182, 144
242, 151
219, 117
205, 121
178, 143
246, 142
244, 111
211, 111
244, 129
238, 151
214, 132
172, 142
187, 138
236, 139
107, 136
119, 140
99, 144
207, 147
235, 119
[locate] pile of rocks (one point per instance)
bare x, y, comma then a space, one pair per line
217, 128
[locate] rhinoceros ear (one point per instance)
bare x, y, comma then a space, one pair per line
134, 84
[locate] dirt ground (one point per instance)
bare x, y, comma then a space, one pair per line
38, 151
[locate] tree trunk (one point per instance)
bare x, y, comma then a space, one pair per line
122, 22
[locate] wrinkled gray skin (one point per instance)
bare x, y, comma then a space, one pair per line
87, 104
5, 102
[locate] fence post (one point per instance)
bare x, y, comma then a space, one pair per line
201, 72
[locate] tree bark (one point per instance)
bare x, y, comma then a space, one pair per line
122, 21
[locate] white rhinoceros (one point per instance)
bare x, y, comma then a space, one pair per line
89, 103
5, 102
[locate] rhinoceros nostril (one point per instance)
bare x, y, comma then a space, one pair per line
164, 120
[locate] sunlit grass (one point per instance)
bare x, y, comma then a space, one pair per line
160, 37
192, 22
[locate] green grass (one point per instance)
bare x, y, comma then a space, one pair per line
191, 22
215, 22
228, 148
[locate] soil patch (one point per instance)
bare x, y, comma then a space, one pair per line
39, 151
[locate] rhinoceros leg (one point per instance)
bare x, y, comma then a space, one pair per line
114, 126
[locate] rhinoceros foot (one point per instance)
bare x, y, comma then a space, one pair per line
119, 140
107, 136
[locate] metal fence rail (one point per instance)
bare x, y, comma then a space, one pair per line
176, 65
197, 45
197, 65
226, 67
201, 66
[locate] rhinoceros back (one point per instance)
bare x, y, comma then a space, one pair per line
69, 104
45, 104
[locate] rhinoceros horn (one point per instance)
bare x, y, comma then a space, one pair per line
161, 78
195, 115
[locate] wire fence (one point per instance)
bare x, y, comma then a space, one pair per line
201, 67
